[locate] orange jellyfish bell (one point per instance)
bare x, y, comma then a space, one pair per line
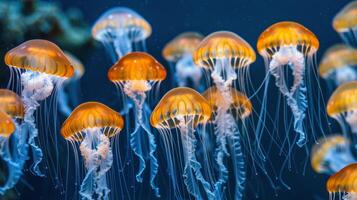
180, 103
7, 126
40, 56
91, 115
343, 181
137, 66
346, 19
224, 45
287, 34
240, 101
343, 99
185, 43
11, 104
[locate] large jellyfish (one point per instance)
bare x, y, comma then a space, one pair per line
228, 135
339, 64
342, 106
178, 52
183, 109
330, 154
13, 140
289, 46
92, 124
68, 94
137, 73
42, 66
343, 184
121, 30
345, 23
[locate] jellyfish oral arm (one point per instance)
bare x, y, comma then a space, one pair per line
223, 73
344, 75
186, 69
296, 96
98, 158
122, 45
351, 119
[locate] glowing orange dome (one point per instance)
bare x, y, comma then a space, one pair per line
347, 18
7, 126
40, 56
91, 115
343, 181
137, 66
241, 103
343, 99
224, 45
287, 34
11, 103
185, 43
180, 103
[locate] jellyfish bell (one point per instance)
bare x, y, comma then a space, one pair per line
118, 29
339, 64
178, 52
7, 127
345, 23
221, 53
43, 67
92, 124
330, 154
183, 109
343, 183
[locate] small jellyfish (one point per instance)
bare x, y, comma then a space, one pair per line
178, 52
228, 135
342, 106
42, 67
68, 94
289, 46
13, 137
119, 29
343, 183
92, 124
345, 23
183, 109
137, 73
339, 64
330, 154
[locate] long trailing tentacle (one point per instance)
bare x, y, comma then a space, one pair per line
296, 97
63, 102
98, 157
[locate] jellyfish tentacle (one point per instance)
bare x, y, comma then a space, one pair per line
192, 169
63, 102
98, 157
122, 45
296, 97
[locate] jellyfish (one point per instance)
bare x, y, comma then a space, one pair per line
120, 30
345, 23
342, 106
136, 73
289, 46
331, 154
178, 52
184, 109
68, 94
92, 124
343, 183
42, 67
13, 137
339, 64
228, 135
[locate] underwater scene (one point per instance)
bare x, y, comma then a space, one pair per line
178, 99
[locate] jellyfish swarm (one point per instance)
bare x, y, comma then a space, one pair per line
342, 106
136, 73
178, 52
121, 30
42, 67
92, 124
183, 109
13, 140
339, 64
330, 154
228, 135
345, 23
68, 94
343, 183
284, 46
